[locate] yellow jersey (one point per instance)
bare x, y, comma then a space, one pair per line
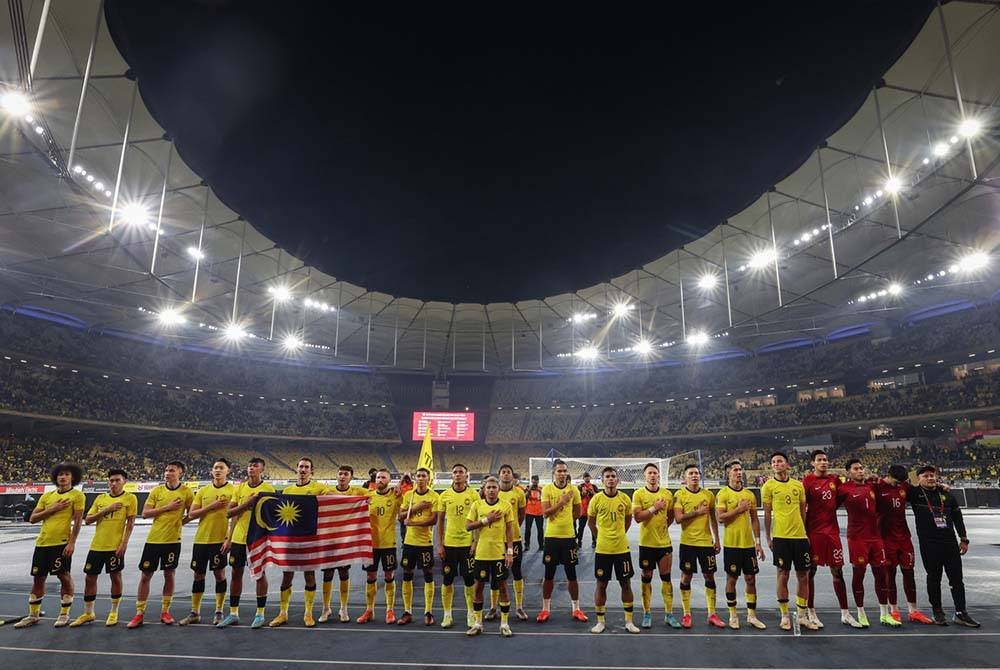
213, 526
515, 498
455, 505
383, 508
560, 525
653, 531
56, 529
240, 496
111, 527
492, 542
352, 490
739, 532
610, 513
785, 499
696, 531
419, 536
308, 489
166, 528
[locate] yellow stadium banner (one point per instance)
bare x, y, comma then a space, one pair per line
426, 459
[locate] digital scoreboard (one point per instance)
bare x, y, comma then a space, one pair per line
447, 426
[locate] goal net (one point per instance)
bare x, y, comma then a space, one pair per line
630, 470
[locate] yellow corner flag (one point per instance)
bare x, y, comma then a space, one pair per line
426, 459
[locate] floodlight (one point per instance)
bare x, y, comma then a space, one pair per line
762, 258
196, 253
940, 149
39, 130
234, 332
107, 194
893, 185
135, 214
867, 201
170, 317
797, 242
895, 288
644, 347
953, 139
78, 169
15, 103
587, 354
862, 298
926, 161
280, 293
707, 281
969, 128
974, 261
621, 309
291, 343
99, 186
90, 177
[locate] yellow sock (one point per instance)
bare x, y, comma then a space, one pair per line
408, 597
390, 595
35, 607
286, 598
667, 591
710, 600
628, 611
140, 606
801, 604
647, 596
345, 592
88, 606
494, 597
220, 600
196, 601
310, 598
752, 604
469, 592
65, 605
783, 607
167, 602
447, 597
429, 597
114, 603
504, 613
327, 594
732, 612
518, 592
686, 600
371, 588
479, 616
260, 611
601, 613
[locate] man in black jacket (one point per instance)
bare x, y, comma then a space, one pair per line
938, 518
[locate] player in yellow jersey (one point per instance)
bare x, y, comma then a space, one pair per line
513, 495
304, 486
493, 521
561, 507
694, 510
417, 513
114, 513
784, 501
736, 509
167, 505
244, 498
610, 516
345, 473
61, 514
383, 508
210, 507
653, 508
454, 542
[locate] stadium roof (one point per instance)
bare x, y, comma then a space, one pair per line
66, 246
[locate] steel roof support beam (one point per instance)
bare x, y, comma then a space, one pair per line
83, 88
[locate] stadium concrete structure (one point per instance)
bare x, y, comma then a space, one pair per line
104, 228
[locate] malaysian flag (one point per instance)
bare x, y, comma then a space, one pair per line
299, 532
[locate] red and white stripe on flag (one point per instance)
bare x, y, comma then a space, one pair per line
343, 537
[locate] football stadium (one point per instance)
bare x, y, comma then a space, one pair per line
253, 328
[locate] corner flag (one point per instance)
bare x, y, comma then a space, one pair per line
426, 459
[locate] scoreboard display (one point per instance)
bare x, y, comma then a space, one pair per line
448, 426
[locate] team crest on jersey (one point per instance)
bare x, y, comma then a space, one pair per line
687, 565
621, 508
861, 559
902, 494
832, 485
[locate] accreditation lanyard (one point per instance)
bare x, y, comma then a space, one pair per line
937, 514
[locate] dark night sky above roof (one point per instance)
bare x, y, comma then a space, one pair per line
453, 154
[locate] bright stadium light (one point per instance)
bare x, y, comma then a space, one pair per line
893, 185
587, 354
974, 262
234, 332
698, 338
895, 288
15, 103
170, 317
135, 214
708, 281
643, 348
621, 309
280, 293
196, 253
291, 343
970, 128
940, 149
762, 258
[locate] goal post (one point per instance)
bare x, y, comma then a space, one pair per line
630, 470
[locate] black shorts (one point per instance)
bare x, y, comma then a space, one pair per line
50, 561
621, 564
649, 557
740, 561
103, 560
458, 560
417, 557
691, 557
791, 551
560, 551
160, 557
493, 572
387, 557
205, 557
237, 555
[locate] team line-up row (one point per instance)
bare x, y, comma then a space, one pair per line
476, 536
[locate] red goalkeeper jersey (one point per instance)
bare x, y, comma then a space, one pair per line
891, 505
821, 500
862, 515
